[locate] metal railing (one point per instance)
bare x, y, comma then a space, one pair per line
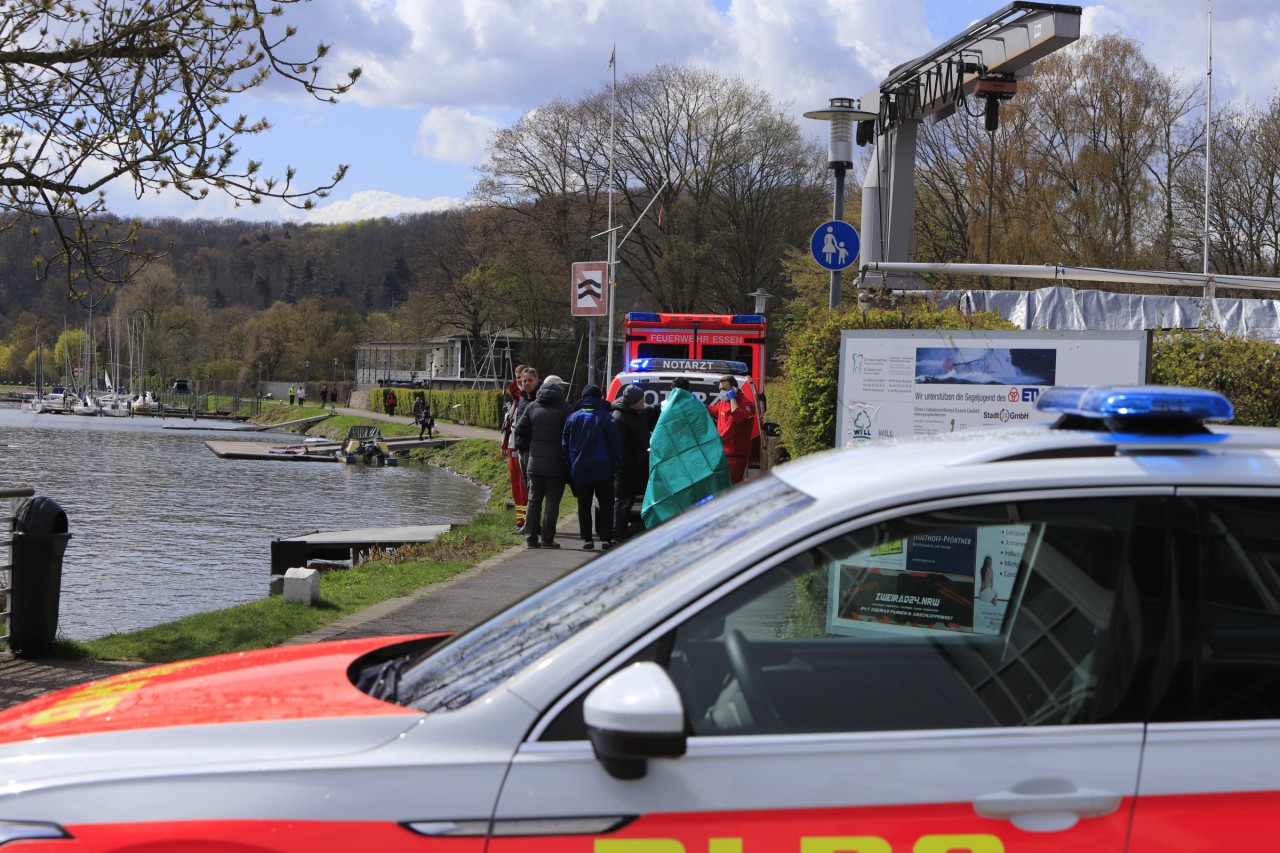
15, 497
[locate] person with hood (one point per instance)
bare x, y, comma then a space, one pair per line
633, 418
686, 459
593, 453
539, 427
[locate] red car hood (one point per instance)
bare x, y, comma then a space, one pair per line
285, 683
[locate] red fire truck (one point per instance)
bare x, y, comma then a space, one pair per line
698, 337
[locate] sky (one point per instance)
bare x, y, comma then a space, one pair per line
440, 76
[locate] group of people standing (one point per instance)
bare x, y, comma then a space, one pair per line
551, 444
299, 393
602, 453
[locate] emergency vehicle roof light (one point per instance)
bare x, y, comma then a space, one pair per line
690, 365
644, 317
748, 318
1137, 401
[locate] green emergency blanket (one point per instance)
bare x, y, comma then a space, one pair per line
686, 459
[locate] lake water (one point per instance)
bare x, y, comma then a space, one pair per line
162, 528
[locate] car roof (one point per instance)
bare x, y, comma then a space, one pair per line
1034, 458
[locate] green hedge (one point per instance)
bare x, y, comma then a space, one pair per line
808, 415
1246, 370
462, 406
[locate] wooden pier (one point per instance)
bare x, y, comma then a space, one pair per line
345, 544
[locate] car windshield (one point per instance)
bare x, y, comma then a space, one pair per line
477, 661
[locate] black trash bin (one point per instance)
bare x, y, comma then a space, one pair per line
39, 542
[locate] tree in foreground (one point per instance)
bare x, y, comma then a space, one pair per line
98, 91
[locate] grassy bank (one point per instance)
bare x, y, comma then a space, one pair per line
335, 426
269, 621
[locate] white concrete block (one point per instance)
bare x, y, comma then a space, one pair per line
301, 586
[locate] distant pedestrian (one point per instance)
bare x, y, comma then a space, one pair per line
634, 419
292, 393
594, 453
389, 402
302, 395
540, 428
422, 417
324, 396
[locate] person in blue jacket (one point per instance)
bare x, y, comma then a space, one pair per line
593, 453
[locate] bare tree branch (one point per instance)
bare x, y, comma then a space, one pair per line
95, 91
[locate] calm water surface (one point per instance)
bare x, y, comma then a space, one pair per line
162, 528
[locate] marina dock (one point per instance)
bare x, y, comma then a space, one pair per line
308, 451
295, 551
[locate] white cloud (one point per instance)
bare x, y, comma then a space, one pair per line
454, 135
374, 204
441, 75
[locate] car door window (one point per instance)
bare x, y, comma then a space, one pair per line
1006, 614
1236, 660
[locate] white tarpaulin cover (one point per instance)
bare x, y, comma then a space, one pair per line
1060, 308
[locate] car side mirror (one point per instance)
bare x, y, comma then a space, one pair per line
633, 716
771, 429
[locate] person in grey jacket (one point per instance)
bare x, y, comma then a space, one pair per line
539, 428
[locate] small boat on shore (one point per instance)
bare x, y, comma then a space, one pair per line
365, 444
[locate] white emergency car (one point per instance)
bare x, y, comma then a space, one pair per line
1057, 638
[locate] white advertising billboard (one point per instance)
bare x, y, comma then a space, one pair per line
901, 383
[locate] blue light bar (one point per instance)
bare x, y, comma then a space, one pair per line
644, 317
1137, 401
748, 318
689, 365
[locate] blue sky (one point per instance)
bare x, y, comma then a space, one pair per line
441, 75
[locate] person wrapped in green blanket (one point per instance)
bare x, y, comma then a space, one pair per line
686, 459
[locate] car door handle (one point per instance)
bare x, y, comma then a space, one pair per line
1046, 805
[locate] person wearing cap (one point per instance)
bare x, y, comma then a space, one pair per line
733, 417
593, 453
539, 427
634, 419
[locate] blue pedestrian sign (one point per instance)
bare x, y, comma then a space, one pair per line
835, 245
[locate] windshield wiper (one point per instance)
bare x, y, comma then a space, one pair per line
382, 680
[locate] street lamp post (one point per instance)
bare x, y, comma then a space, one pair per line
259, 380
841, 113
333, 394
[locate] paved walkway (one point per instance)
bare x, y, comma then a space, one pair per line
451, 605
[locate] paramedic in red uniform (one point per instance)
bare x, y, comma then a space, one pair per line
733, 421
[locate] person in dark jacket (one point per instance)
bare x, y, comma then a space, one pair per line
635, 421
593, 453
529, 386
539, 427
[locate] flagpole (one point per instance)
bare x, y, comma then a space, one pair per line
613, 235
1208, 151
